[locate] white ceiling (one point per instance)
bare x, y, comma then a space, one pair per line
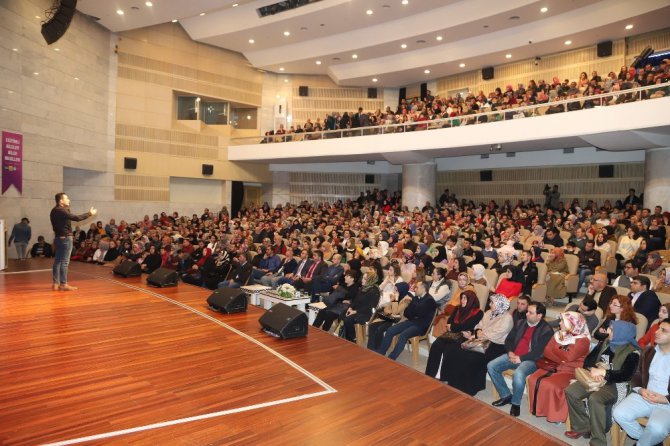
476, 33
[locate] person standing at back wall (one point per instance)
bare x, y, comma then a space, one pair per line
60, 221
21, 235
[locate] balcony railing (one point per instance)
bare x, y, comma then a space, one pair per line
515, 112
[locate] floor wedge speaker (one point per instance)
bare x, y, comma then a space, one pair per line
163, 277
228, 300
128, 269
284, 322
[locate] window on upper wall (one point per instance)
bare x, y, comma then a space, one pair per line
209, 111
244, 117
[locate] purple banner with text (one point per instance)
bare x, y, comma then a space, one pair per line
12, 161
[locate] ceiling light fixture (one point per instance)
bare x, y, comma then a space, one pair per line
119, 11
405, 2
318, 62
36, 73
174, 20
202, 14
369, 12
15, 49
426, 71
235, 5
403, 46
149, 4
508, 56
629, 26
439, 38
374, 79
281, 68
568, 42
38, 17
544, 9
354, 56
286, 81
287, 33
462, 65
56, 49
76, 78
252, 41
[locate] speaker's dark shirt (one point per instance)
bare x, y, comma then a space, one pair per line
60, 220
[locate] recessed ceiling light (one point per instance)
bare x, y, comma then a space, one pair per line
426, 71
508, 56
235, 5
545, 9
318, 62
438, 38
568, 42
174, 20
15, 49
405, 2
76, 78
119, 11
403, 46
286, 81
281, 68
462, 65
287, 33
10, 91
374, 79
56, 49
629, 26
369, 12
252, 41
202, 14
149, 4
354, 56
36, 73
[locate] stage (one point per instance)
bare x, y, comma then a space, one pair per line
120, 362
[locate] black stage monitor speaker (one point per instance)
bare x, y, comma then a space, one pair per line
303, 90
606, 171
207, 169
130, 163
228, 300
605, 49
163, 277
54, 28
372, 93
485, 175
128, 269
284, 322
487, 73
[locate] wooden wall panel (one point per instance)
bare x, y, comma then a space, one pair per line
319, 187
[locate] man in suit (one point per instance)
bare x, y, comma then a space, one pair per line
644, 300
331, 276
650, 395
242, 272
303, 266
288, 267
316, 269
601, 292
525, 345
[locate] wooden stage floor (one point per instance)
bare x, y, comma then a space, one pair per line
118, 362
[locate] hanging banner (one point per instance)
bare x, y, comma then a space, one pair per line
12, 161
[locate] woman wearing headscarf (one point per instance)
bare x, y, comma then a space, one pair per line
566, 350
619, 354
441, 322
392, 312
557, 269
512, 282
478, 275
465, 369
663, 284
194, 274
363, 304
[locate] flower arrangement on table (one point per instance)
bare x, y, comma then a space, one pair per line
287, 291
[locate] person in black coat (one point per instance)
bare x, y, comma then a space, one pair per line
645, 301
361, 308
242, 273
338, 301
419, 314
529, 270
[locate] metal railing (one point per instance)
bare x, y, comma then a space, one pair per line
550, 107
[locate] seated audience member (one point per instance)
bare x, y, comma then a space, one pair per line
589, 260
564, 353
361, 308
553, 238
193, 274
557, 269
650, 395
649, 336
620, 308
479, 276
439, 287
463, 318
521, 309
644, 300
663, 283
304, 264
151, 261
419, 313
587, 308
512, 283
390, 313
338, 301
529, 270
654, 265
628, 245
463, 284
619, 353
466, 369
524, 345
41, 248
332, 275
600, 291
112, 253
289, 265
268, 265
99, 254
240, 275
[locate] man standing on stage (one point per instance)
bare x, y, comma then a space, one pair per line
60, 221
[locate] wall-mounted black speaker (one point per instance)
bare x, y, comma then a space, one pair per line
402, 94
163, 277
606, 171
228, 300
424, 90
207, 169
605, 49
55, 27
128, 269
303, 90
485, 175
284, 322
369, 178
372, 93
130, 163
487, 73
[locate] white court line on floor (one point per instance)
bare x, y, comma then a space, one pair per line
24, 272
328, 388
